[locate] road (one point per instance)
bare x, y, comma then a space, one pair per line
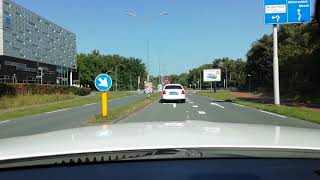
206, 109
58, 120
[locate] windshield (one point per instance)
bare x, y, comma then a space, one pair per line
129, 75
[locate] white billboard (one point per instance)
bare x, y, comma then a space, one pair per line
211, 75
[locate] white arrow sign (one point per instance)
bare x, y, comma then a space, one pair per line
103, 82
276, 17
299, 14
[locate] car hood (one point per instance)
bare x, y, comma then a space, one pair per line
158, 135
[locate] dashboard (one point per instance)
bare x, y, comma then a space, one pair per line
200, 169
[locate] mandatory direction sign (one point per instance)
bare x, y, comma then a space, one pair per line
103, 82
287, 11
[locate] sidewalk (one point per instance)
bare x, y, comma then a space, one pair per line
260, 98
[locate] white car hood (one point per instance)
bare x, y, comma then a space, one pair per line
158, 135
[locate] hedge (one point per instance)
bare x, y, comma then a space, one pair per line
29, 89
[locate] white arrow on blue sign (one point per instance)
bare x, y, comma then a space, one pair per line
103, 82
287, 11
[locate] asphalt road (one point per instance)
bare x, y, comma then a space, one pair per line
57, 120
206, 109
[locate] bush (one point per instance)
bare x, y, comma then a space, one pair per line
29, 89
82, 91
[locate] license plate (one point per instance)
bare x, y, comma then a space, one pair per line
173, 93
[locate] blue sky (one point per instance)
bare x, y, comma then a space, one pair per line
193, 33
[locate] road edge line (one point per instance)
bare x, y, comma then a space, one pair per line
267, 112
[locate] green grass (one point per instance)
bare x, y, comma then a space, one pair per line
297, 112
221, 95
20, 101
124, 111
60, 105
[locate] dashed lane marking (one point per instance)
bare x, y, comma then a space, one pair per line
201, 112
215, 104
4, 122
195, 106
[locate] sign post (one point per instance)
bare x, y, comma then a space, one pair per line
283, 12
212, 75
103, 83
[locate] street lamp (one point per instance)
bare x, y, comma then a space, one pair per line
249, 75
116, 72
128, 13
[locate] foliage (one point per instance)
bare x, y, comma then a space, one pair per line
235, 68
299, 61
125, 70
31, 89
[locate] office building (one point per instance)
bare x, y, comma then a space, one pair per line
33, 49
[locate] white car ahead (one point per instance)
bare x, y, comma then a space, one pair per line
173, 92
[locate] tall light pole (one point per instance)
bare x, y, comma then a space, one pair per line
148, 41
116, 73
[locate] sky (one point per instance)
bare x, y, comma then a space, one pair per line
194, 32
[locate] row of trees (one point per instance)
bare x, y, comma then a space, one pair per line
124, 71
299, 61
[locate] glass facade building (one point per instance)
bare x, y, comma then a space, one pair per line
32, 47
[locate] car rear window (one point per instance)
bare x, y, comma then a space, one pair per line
173, 87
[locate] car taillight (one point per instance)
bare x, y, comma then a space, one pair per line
183, 92
163, 92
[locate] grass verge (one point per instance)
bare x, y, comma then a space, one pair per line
60, 105
124, 111
297, 112
20, 101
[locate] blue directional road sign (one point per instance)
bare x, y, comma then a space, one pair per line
287, 11
103, 82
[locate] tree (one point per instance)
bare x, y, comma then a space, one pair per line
125, 70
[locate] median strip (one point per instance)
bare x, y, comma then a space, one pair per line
122, 112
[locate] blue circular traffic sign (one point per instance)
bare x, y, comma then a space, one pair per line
103, 82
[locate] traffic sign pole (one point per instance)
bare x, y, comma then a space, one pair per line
104, 104
276, 66
103, 82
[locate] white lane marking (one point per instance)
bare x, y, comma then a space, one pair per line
4, 122
201, 112
89, 104
195, 106
272, 114
238, 105
215, 104
191, 102
188, 100
57, 111
174, 105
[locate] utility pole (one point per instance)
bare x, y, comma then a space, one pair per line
276, 66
